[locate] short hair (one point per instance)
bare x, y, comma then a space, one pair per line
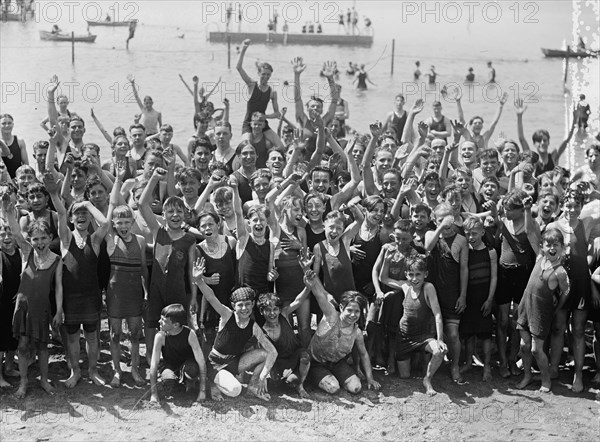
400, 96
174, 202
549, 175
490, 179
431, 176
553, 235
77, 118
260, 173
472, 222
327, 170
113, 145
41, 144
462, 170
119, 131
539, 134
335, 216
122, 211
264, 65
39, 225
292, 200
243, 144
80, 166
7, 116
394, 171
209, 213
176, 313
223, 195
269, 300
23, 169
37, 188
443, 209
551, 193
258, 209
417, 263
404, 225
594, 146
312, 195
202, 141
222, 123
166, 128
514, 199
343, 174
353, 296
189, 173
509, 141
530, 157
258, 116
450, 188
242, 294
574, 194
92, 146
371, 202
137, 126
476, 117
420, 207
488, 154
437, 103
90, 183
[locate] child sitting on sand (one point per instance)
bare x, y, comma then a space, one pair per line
180, 350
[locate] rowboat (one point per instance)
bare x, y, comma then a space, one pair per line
46, 35
292, 38
561, 53
112, 24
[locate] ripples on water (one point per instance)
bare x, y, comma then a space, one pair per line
157, 55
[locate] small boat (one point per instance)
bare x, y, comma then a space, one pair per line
562, 53
292, 38
112, 24
60, 36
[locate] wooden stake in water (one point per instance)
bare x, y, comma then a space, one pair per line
72, 47
229, 52
393, 50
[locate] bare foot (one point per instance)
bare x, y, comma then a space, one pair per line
10, 371
455, 372
302, 392
4, 383
215, 393
504, 372
596, 379
20, 394
577, 384
254, 392
466, 368
553, 372
527, 379
487, 374
391, 368
73, 379
428, 387
546, 386
47, 387
514, 370
115, 382
137, 378
97, 379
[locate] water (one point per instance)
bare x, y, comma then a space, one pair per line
157, 55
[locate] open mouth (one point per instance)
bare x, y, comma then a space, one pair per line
333, 236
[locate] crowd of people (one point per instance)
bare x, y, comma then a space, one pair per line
413, 242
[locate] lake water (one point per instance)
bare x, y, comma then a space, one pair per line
448, 35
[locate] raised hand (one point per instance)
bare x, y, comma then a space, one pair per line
199, 267
159, 173
306, 259
298, 65
232, 182
503, 98
195, 79
246, 43
457, 126
283, 111
520, 106
376, 129
417, 106
53, 84
329, 69
130, 78
50, 182
423, 129
121, 169
92, 112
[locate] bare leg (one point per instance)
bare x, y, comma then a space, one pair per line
557, 342
527, 357
469, 348
537, 348
23, 366
501, 337
303, 315
437, 357
73, 352
150, 334
43, 357
453, 342
487, 357
135, 330
115, 350
10, 364
514, 340
254, 360
92, 347
578, 321
3, 382
596, 379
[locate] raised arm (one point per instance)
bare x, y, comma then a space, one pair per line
239, 66
100, 127
312, 281
298, 67
52, 112
186, 85
198, 276
415, 109
146, 198
520, 108
488, 133
64, 232
131, 80
563, 146
347, 191
9, 213
329, 68
315, 159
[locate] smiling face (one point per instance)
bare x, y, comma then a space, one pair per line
248, 156
489, 191
402, 238
383, 161
510, 154
464, 181
224, 208
420, 220
416, 278
40, 240
148, 103
315, 209
123, 227
7, 243
390, 185
432, 189
315, 106
6, 125
189, 187
375, 215
275, 163
202, 157
542, 144
571, 208
261, 185
333, 230
222, 137
121, 147
77, 130
592, 159
475, 236
138, 136
208, 227
37, 201
257, 223
547, 207
467, 152
98, 196
174, 216
264, 75
24, 180
243, 309
477, 125
489, 166
271, 314
257, 125
553, 250
81, 218
320, 182
350, 313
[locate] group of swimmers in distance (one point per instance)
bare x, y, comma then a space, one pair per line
416, 242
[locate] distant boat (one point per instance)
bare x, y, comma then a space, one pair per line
561, 53
292, 38
47, 35
113, 24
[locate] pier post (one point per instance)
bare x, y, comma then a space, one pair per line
393, 51
229, 52
72, 47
